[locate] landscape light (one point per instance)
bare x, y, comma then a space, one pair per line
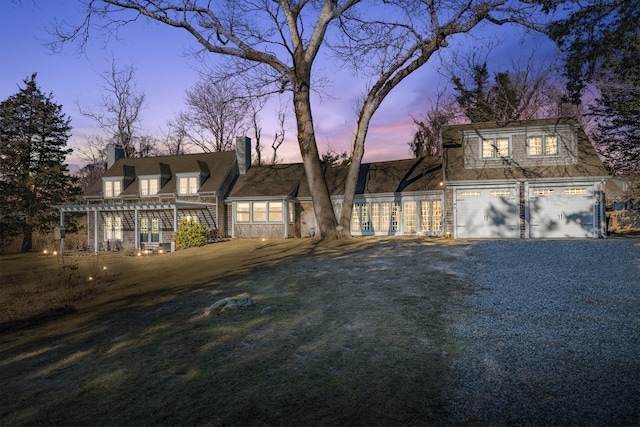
45, 251
139, 253
104, 268
90, 278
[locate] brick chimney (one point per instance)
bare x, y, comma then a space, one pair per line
114, 153
243, 154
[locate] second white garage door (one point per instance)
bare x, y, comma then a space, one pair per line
488, 213
561, 212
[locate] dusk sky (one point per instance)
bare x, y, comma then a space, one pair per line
164, 71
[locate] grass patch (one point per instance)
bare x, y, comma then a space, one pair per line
356, 333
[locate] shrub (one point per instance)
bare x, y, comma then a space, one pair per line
190, 234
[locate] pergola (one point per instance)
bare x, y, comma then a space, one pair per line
136, 208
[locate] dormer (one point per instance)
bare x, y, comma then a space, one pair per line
113, 186
189, 183
151, 184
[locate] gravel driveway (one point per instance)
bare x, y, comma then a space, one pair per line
552, 337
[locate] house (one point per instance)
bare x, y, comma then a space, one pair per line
392, 198
524, 179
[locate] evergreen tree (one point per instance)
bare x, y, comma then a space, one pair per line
33, 173
601, 42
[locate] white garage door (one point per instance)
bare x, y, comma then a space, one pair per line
488, 213
561, 212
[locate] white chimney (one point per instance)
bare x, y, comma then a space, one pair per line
243, 154
114, 153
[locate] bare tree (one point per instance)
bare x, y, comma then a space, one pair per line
427, 138
279, 40
278, 138
119, 112
399, 43
217, 112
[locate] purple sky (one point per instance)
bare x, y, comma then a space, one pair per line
163, 72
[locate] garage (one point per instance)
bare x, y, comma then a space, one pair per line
559, 212
484, 213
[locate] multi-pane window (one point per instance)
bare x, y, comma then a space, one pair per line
112, 188
437, 215
275, 212
425, 218
431, 215
495, 147
366, 221
243, 212
395, 217
385, 216
149, 186
291, 212
580, 190
259, 212
113, 227
375, 216
149, 230
355, 217
262, 211
410, 217
188, 185
543, 145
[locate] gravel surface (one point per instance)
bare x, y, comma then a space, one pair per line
552, 335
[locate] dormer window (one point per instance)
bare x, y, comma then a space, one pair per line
112, 188
494, 148
546, 145
187, 185
148, 186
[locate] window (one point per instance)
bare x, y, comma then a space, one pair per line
113, 227
275, 212
437, 215
575, 190
149, 187
263, 212
366, 221
425, 218
112, 188
259, 212
149, 230
410, 217
495, 147
243, 212
395, 217
500, 193
543, 145
470, 194
375, 216
291, 212
355, 217
188, 185
431, 219
385, 216
543, 192
193, 218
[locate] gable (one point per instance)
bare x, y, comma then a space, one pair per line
463, 156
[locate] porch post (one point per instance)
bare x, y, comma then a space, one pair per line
136, 235
95, 232
62, 233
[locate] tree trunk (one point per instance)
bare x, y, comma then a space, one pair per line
323, 209
27, 239
357, 153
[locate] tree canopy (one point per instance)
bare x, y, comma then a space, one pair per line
33, 174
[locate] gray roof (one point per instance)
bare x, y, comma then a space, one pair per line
216, 165
588, 163
421, 174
